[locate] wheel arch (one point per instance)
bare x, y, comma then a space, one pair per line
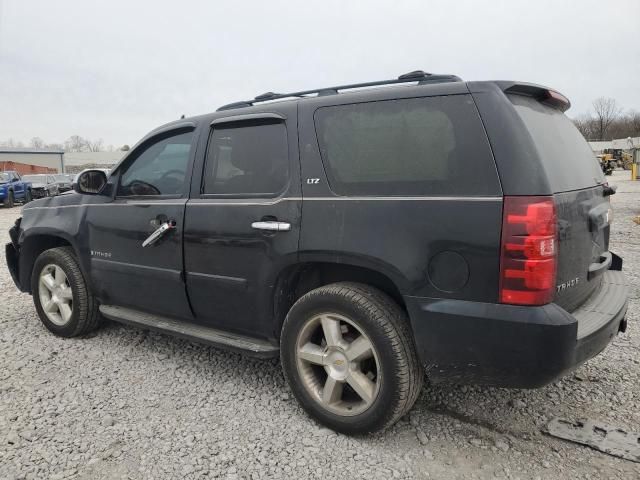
32, 246
296, 280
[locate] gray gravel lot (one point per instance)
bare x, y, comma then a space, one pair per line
126, 403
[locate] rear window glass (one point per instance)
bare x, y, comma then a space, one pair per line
418, 146
566, 157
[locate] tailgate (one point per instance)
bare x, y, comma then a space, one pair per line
583, 243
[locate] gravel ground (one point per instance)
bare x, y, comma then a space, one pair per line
126, 403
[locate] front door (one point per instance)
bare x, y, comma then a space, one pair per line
129, 266
18, 186
243, 220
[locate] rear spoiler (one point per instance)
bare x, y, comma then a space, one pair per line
542, 94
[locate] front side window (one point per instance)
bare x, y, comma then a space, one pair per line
247, 158
159, 169
417, 146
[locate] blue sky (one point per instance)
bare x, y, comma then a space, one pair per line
116, 69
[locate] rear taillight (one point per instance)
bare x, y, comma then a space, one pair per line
529, 254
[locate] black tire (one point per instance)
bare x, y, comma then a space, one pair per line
27, 196
387, 327
85, 316
8, 203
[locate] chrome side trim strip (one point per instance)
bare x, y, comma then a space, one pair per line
131, 204
203, 202
200, 202
219, 278
380, 199
135, 268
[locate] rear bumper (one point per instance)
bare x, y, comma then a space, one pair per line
515, 346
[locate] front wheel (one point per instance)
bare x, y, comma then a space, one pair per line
349, 358
60, 294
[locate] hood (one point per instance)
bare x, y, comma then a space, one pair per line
61, 200
38, 185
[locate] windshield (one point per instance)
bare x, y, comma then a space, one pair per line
35, 178
4, 177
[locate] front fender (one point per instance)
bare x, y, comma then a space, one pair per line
42, 229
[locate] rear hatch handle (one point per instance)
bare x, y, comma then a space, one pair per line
598, 268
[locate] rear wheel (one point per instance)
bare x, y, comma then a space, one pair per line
348, 355
27, 196
60, 294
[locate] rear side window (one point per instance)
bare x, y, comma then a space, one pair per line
566, 157
418, 146
247, 158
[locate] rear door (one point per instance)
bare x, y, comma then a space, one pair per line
583, 210
243, 219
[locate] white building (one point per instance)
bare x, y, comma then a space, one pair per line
31, 160
621, 143
106, 159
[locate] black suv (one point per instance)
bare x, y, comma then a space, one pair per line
367, 236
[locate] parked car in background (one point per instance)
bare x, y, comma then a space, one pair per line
13, 187
42, 185
63, 181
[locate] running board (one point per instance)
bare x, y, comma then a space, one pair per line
191, 331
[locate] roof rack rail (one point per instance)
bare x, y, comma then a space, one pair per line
416, 76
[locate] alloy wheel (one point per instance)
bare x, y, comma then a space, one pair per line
56, 296
338, 364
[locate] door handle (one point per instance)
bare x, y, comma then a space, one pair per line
159, 232
272, 226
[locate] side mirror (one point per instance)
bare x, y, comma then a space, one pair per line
90, 182
14, 179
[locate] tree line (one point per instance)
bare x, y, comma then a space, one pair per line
607, 121
75, 143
